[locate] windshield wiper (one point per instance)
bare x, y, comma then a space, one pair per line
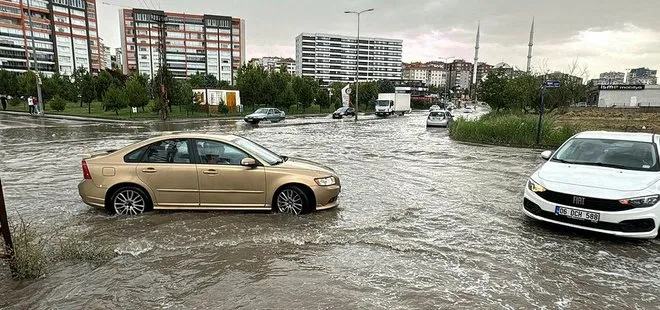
606, 165
563, 161
284, 158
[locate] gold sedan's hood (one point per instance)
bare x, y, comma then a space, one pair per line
299, 163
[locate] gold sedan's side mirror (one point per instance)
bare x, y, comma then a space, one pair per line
248, 162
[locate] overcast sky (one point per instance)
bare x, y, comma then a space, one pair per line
602, 35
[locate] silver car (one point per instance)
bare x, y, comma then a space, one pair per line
439, 118
265, 114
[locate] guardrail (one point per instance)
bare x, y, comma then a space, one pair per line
4, 228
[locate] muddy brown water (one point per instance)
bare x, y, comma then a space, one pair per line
424, 223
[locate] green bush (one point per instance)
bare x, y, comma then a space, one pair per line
14, 102
510, 130
57, 104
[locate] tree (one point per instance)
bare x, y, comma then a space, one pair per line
163, 88
136, 93
251, 82
494, 90
304, 91
87, 92
114, 99
183, 96
322, 98
196, 80
387, 86
103, 82
28, 84
9, 83
57, 103
77, 81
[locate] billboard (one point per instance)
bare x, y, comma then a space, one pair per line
621, 87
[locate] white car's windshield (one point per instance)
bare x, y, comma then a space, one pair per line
258, 150
261, 111
630, 155
437, 114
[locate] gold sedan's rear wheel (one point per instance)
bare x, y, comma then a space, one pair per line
129, 201
292, 200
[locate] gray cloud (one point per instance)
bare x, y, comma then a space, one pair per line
564, 29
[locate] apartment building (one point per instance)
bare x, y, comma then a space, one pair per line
106, 57
64, 32
117, 61
433, 74
610, 78
460, 75
333, 58
643, 76
186, 43
275, 63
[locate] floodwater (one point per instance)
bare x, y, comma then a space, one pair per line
424, 223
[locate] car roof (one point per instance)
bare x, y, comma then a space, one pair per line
616, 135
192, 135
439, 110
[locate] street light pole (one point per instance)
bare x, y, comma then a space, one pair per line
357, 68
34, 57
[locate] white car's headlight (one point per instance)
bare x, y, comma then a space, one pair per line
535, 187
641, 202
327, 181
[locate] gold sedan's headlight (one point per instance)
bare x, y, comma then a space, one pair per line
535, 187
327, 181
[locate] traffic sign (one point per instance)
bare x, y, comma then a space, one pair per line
551, 84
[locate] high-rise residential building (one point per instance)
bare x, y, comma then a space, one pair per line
333, 58
64, 32
434, 73
106, 59
117, 62
460, 75
644, 76
275, 64
186, 43
482, 71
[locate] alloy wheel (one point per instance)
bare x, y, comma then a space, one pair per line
290, 201
129, 202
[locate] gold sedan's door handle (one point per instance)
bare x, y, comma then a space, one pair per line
210, 171
149, 170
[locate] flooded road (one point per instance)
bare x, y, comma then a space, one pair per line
424, 223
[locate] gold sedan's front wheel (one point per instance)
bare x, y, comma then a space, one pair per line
292, 200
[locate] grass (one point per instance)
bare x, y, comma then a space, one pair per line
96, 110
34, 254
510, 129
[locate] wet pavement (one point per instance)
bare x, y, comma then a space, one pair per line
424, 223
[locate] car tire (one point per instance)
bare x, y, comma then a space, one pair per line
129, 200
292, 200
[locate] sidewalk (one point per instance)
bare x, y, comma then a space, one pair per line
68, 117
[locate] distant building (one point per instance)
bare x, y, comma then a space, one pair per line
642, 76
117, 62
275, 63
610, 78
106, 61
333, 58
431, 73
565, 77
460, 75
186, 43
482, 70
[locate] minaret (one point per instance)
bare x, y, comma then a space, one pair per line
529, 52
476, 63
476, 55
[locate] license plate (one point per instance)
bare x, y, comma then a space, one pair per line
577, 214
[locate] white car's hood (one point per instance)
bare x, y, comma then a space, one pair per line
597, 177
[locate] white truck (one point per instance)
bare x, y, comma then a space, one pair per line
392, 103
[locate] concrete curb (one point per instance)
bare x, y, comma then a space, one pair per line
68, 117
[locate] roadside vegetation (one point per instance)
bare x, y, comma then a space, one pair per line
113, 94
35, 253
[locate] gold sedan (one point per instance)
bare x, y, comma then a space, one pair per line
210, 172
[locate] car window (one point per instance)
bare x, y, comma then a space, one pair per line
135, 156
214, 152
168, 151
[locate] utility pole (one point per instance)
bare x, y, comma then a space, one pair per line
357, 69
34, 57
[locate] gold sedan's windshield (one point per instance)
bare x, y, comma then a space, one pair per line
267, 155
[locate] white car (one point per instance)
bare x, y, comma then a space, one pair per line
606, 182
434, 107
439, 118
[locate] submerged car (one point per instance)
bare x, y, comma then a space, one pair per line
606, 182
265, 114
439, 118
210, 172
343, 111
434, 107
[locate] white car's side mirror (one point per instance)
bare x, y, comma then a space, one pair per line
546, 155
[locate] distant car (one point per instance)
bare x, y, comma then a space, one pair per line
265, 114
606, 182
191, 171
439, 118
469, 109
434, 107
343, 111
